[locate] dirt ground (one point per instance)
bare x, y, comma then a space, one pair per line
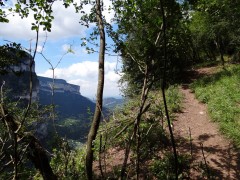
214, 156
195, 133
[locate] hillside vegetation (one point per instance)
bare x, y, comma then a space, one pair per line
115, 133
73, 112
156, 42
221, 93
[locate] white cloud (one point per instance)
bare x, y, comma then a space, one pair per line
66, 47
112, 76
65, 24
85, 74
39, 48
108, 14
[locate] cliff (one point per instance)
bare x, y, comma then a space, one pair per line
14, 60
15, 76
60, 86
17, 86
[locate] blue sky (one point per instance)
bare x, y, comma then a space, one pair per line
77, 68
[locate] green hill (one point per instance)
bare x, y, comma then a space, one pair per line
74, 113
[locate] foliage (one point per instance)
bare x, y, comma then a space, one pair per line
221, 93
117, 132
37, 116
214, 27
174, 99
195, 31
42, 13
20, 117
139, 40
3, 16
69, 164
164, 168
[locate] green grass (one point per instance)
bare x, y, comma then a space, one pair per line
69, 122
221, 93
174, 99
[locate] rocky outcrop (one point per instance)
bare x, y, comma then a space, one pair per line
59, 85
24, 64
16, 78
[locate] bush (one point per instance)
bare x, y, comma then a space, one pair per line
165, 168
69, 164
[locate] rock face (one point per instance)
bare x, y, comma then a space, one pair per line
24, 64
60, 86
17, 79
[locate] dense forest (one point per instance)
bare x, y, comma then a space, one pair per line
161, 44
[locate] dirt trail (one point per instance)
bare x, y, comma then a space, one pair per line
222, 159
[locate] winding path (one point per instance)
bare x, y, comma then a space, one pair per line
206, 140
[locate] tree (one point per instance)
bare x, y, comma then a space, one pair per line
98, 109
147, 32
214, 25
23, 144
3, 16
43, 17
139, 27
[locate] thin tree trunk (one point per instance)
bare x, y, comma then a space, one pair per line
98, 109
142, 109
222, 58
220, 49
163, 92
147, 84
100, 158
16, 157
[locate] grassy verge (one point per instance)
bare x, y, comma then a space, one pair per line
221, 93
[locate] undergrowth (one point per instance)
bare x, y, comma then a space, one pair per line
154, 139
116, 132
164, 168
221, 93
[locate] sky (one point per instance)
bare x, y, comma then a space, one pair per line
79, 67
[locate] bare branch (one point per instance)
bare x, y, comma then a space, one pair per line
136, 61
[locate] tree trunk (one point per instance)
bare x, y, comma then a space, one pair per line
98, 109
220, 49
163, 92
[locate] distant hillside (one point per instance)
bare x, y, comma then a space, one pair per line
60, 85
112, 103
74, 111
15, 74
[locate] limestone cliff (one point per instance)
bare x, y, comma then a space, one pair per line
60, 86
16, 78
